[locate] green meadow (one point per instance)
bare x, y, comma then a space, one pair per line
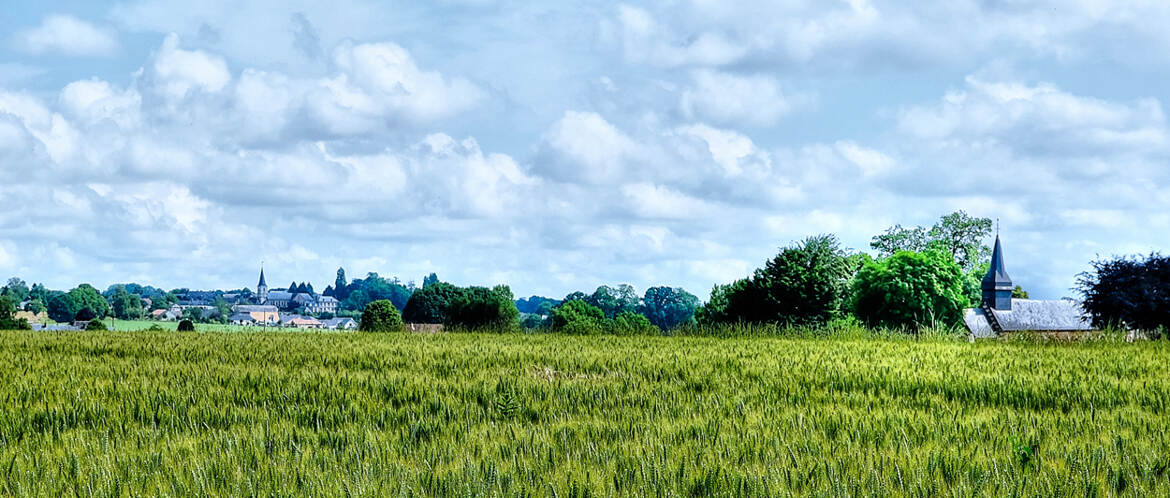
478, 414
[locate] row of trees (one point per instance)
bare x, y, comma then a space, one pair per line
922, 276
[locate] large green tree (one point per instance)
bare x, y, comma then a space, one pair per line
805, 283
381, 316
910, 289
65, 307
478, 307
125, 305
613, 301
668, 307
431, 303
962, 236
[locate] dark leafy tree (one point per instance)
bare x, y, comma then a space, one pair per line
1129, 292
668, 307
576, 296
36, 306
339, 285
1019, 293
63, 307
480, 307
328, 291
125, 305
86, 314
381, 316
909, 290
806, 283
536, 304
186, 326
431, 303
430, 280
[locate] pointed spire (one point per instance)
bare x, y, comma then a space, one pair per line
997, 284
262, 282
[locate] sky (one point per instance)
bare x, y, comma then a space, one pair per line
558, 146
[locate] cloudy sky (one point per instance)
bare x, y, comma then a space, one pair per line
557, 147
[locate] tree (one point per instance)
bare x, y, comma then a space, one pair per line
63, 307
631, 323
575, 316
328, 291
614, 301
86, 314
668, 307
8, 320
357, 300
430, 280
16, 290
193, 314
718, 309
339, 285
96, 326
186, 326
957, 234
88, 297
36, 306
1129, 292
381, 316
431, 304
480, 307
806, 283
1019, 293
910, 289
125, 305
292, 288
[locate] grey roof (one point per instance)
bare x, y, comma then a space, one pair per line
1062, 315
335, 322
254, 308
241, 317
997, 276
326, 299
279, 296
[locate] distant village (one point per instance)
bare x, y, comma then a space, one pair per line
298, 306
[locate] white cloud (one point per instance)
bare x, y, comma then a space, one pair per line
67, 35
729, 99
177, 73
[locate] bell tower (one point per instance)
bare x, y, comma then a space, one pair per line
262, 288
997, 284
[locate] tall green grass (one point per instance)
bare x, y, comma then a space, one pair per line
352, 414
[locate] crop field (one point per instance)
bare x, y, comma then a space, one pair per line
355, 414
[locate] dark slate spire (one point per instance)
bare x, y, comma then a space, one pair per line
997, 284
262, 283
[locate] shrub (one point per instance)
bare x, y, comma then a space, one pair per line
630, 323
8, 320
186, 326
381, 316
96, 325
806, 283
1133, 293
578, 317
910, 290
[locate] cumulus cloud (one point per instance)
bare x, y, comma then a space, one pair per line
730, 99
67, 35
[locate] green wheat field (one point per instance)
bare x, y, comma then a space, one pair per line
475, 414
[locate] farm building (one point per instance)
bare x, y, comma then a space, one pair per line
999, 312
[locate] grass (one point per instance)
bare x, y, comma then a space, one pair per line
140, 325
353, 414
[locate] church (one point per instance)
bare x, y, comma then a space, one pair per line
1000, 313
290, 299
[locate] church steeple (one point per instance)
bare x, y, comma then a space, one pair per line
997, 284
262, 288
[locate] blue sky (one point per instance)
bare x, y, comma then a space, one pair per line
557, 146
